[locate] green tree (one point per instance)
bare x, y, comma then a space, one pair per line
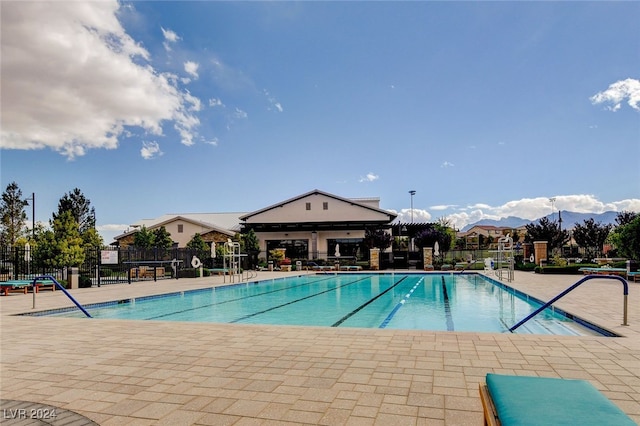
62, 246
202, 249
249, 242
13, 215
377, 238
162, 238
80, 208
625, 217
548, 231
91, 239
144, 238
627, 239
591, 236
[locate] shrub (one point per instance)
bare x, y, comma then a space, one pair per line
559, 270
188, 273
84, 282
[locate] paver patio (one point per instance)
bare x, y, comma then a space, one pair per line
118, 372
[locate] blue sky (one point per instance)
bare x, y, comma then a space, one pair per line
485, 109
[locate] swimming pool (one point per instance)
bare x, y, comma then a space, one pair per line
447, 302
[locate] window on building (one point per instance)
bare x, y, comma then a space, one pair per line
180, 229
295, 249
325, 206
308, 206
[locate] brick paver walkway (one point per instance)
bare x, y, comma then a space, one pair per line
118, 372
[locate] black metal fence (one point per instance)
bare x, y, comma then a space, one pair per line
108, 265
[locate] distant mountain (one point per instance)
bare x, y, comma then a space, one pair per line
569, 219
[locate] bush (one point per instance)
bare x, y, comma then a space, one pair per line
189, 273
527, 266
84, 282
559, 270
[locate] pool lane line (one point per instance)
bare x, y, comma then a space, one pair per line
447, 307
297, 300
231, 300
352, 313
404, 300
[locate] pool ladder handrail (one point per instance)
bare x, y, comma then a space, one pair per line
586, 278
61, 287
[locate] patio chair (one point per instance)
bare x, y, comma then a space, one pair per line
522, 400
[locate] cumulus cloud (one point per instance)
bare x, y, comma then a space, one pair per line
73, 79
617, 93
419, 216
150, 150
447, 164
191, 68
535, 208
369, 177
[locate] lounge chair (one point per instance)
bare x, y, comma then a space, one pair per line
522, 400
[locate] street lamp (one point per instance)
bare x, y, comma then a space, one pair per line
33, 214
412, 193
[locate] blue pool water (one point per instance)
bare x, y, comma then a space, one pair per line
449, 302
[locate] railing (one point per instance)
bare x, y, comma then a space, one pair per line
586, 278
60, 287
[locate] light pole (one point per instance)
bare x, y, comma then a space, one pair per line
33, 214
412, 193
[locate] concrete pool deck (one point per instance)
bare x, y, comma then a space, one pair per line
118, 372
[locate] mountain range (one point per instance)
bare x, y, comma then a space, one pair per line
569, 219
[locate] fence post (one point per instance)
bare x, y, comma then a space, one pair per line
74, 277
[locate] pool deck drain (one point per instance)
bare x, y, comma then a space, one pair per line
175, 373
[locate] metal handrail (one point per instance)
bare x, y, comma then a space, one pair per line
64, 290
586, 278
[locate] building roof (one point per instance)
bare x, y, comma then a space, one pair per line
362, 202
223, 222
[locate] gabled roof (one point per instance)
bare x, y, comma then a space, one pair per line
225, 223
355, 202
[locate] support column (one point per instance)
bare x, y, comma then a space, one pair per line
540, 251
427, 256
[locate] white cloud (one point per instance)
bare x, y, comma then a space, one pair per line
214, 102
370, 177
526, 208
443, 207
214, 141
535, 208
447, 164
191, 68
73, 79
109, 231
274, 103
419, 216
617, 92
169, 38
240, 114
150, 150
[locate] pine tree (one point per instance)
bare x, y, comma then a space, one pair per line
13, 215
